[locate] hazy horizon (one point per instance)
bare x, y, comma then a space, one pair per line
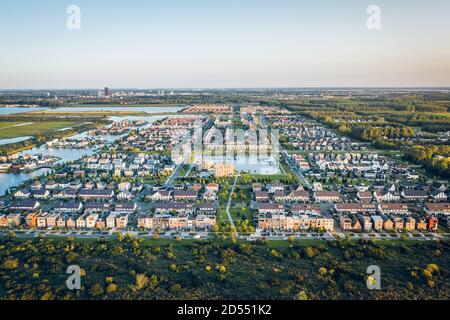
202, 44
426, 88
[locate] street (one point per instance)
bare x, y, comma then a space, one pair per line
295, 169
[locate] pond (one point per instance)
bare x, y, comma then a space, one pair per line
250, 163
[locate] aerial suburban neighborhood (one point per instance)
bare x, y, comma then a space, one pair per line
214, 159
316, 183
256, 174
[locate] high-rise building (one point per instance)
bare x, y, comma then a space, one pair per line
106, 91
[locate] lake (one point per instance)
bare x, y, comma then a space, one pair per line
17, 110
13, 140
8, 180
147, 109
14, 179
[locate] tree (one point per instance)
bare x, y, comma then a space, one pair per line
10, 264
96, 290
432, 267
410, 286
309, 252
175, 288
427, 274
275, 253
323, 271
141, 281
222, 269
111, 288
71, 256
47, 296
216, 230
153, 282
302, 295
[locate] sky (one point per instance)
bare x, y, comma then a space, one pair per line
223, 44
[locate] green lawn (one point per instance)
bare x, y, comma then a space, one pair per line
10, 129
238, 215
222, 217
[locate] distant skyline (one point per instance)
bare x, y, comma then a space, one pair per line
319, 88
224, 44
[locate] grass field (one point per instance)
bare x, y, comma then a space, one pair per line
29, 128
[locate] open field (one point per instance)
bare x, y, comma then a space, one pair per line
28, 128
97, 110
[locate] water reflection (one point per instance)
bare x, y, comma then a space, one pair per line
146, 109
250, 163
17, 110
13, 140
8, 180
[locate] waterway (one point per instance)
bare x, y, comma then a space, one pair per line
17, 110
11, 180
147, 109
13, 140
249, 163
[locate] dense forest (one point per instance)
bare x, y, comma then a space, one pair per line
434, 158
387, 137
131, 268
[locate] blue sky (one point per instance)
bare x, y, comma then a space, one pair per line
211, 43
